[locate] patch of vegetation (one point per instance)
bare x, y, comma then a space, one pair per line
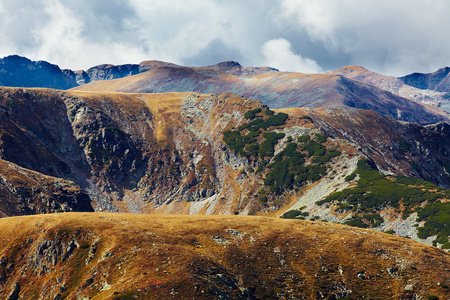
375, 192
437, 216
356, 221
84, 246
268, 146
269, 112
446, 96
404, 145
350, 177
13, 102
287, 170
374, 219
291, 214
250, 115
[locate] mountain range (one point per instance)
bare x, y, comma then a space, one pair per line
157, 138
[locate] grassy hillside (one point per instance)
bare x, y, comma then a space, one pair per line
123, 256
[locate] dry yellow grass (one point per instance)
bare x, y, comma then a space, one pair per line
202, 257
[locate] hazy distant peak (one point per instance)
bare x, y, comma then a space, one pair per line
349, 69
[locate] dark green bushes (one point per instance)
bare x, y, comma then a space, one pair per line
437, 216
287, 170
292, 214
375, 191
271, 139
250, 115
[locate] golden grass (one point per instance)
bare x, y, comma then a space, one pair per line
156, 255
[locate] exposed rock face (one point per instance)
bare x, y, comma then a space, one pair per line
82, 77
158, 152
108, 72
20, 71
396, 147
437, 81
234, 68
101, 255
165, 153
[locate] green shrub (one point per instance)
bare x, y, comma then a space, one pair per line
321, 138
271, 139
314, 148
304, 138
374, 219
250, 115
350, 177
263, 199
356, 222
275, 120
291, 214
269, 112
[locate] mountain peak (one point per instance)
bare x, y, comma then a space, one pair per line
349, 69
438, 81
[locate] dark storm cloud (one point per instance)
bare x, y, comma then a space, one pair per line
391, 37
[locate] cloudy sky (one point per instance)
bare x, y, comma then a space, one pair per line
394, 37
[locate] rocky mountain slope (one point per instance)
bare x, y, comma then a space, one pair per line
277, 90
400, 87
437, 81
189, 153
122, 256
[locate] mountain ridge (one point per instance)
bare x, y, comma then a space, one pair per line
277, 90
437, 81
190, 153
274, 88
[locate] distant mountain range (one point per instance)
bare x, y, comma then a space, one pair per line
350, 86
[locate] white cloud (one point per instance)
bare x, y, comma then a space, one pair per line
389, 36
278, 54
394, 37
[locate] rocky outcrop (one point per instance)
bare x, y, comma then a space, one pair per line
17, 71
108, 72
234, 68
438, 81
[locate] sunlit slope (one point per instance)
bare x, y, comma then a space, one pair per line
277, 90
396, 86
109, 256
